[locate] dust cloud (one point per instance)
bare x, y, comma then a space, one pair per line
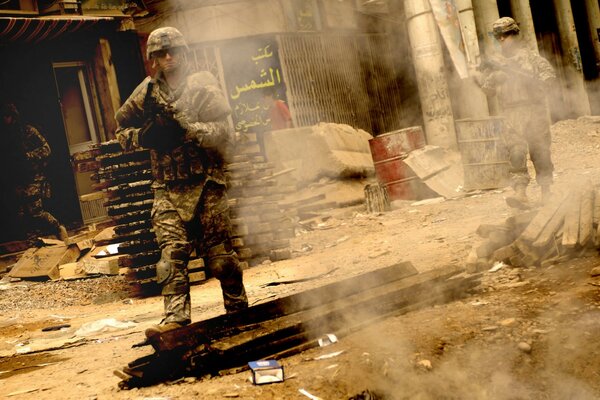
496, 370
390, 361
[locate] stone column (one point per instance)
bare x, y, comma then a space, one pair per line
473, 102
522, 14
575, 94
426, 46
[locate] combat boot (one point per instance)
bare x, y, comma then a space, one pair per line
519, 198
163, 327
62, 233
546, 194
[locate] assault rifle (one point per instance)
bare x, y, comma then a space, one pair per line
160, 130
510, 70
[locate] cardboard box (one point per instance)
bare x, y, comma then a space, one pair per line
266, 371
43, 262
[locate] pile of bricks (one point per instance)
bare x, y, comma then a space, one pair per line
261, 231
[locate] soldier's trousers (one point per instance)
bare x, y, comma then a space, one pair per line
35, 220
209, 232
529, 133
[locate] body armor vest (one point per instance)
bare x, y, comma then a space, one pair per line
186, 163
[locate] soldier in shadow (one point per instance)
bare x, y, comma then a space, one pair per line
24, 155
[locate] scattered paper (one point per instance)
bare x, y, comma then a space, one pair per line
328, 339
497, 266
103, 325
329, 355
310, 396
111, 249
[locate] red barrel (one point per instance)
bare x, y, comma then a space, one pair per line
388, 152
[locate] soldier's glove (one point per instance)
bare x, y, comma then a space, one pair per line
160, 133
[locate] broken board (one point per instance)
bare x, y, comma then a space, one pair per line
433, 166
291, 324
43, 262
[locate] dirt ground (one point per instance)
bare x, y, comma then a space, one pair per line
527, 333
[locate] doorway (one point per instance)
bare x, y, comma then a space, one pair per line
77, 109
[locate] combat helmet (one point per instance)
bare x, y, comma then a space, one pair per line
505, 25
163, 39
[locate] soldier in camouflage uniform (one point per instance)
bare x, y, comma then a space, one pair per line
520, 78
181, 116
26, 155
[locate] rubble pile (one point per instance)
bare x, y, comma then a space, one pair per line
564, 228
27, 295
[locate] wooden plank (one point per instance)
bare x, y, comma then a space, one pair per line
239, 166
280, 254
105, 266
530, 256
555, 223
268, 330
279, 173
586, 215
106, 86
193, 334
195, 264
358, 310
197, 276
504, 253
537, 224
571, 225
519, 222
71, 270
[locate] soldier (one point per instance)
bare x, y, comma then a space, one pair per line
520, 78
181, 116
26, 154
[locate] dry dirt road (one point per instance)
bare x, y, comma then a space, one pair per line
528, 333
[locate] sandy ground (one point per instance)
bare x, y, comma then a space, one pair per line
528, 333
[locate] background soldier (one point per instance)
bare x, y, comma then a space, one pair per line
25, 154
520, 78
181, 117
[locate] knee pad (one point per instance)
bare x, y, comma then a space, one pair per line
164, 270
172, 275
168, 263
518, 158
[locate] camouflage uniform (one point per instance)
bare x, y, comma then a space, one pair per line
190, 208
29, 152
522, 100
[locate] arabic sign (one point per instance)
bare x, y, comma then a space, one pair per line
252, 67
446, 16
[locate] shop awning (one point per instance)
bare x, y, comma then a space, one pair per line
35, 30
